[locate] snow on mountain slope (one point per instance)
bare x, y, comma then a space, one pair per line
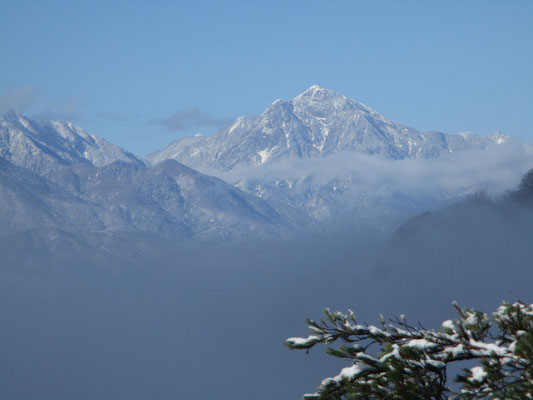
56, 175
43, 146
175, 200
318, 160
350, 187
320, 153
169, 200
317, 123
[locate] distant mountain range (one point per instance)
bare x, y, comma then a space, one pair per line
42, 147
307, 153
317, 123
56, 180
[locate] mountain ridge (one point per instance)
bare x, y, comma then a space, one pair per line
316, 123
55, 175
45, 146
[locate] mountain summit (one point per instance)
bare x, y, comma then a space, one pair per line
316, 123
42, 147
55, 177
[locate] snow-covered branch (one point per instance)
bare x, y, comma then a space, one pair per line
400, 360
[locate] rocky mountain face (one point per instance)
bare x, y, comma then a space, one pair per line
42, 147
317, 123
341, 200
57, 181
326, 129
299, 166
169, 200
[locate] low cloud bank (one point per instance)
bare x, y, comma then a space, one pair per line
495, 169
209, 322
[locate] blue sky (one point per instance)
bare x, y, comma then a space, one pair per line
142, 74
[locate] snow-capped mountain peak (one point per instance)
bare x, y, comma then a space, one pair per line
323, 100
42, 146
316, 123
317, 91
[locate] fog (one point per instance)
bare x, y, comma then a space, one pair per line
209, 322
495, 169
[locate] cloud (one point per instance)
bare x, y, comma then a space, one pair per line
110, 116
191, 118
30, 99
20, 99
496, 168
387, 191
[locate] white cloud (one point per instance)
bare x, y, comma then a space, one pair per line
494, 170
32, 100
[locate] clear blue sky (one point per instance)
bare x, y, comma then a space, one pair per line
117, 68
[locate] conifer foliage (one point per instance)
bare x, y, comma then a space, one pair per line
402, 361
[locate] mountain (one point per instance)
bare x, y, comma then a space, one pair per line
320, 154
169, 200
44, 146
317, 123
490, 231
306, 165
65, 191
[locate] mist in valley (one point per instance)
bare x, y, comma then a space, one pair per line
210, 321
